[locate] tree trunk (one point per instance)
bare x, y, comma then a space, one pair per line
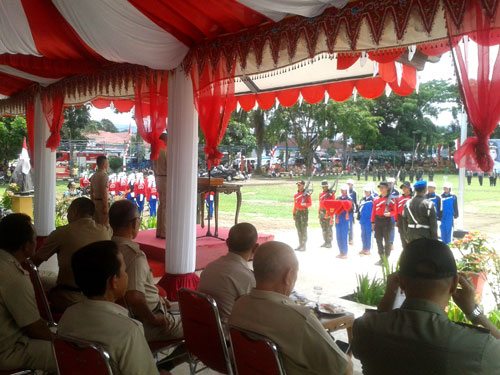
344, 152
258, 124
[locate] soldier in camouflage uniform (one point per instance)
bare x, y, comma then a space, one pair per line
301, 213
325, 220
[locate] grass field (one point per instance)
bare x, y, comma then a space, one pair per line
268, 202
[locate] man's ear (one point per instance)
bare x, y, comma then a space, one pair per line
454, 285
254, 248
402, 283
289, 278
112, 283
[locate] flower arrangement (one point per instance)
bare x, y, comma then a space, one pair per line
11, 190
474, 251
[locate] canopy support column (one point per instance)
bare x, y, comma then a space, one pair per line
45, 182
182, 161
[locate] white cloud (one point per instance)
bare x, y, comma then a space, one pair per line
121, 120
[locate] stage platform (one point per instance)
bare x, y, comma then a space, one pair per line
207, 248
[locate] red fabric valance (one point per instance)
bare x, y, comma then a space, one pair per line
120, 105
151, 107
369, 88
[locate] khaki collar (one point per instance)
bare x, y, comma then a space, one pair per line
270, 296
9, 258
237, 258
423, 305
126, 241
106, 306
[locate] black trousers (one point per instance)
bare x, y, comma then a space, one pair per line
383, 229
401, 231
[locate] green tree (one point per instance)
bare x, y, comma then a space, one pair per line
239, 132
406, 120
76, 119
12, 132
108, 126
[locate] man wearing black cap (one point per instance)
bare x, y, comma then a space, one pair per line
418, 338
382, 223
419, 215
302, 201
401, 203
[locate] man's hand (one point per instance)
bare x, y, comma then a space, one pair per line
465, 297
373, 227
393, 282
167, 303
159, 320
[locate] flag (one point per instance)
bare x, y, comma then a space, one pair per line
24, 159
273, 150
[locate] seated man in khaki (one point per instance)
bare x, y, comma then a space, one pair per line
418, 338
305, 346
100, 273
228, 278
65, 241
142, 295
24, 336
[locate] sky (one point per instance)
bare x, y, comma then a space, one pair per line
441, 70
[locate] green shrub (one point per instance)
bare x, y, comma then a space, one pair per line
369, 290
148, 223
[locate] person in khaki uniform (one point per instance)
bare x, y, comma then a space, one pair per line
419, 338
99, 271
24, 336
99, 183
142, 296
65, 241
160, 169
229, 277
305, 346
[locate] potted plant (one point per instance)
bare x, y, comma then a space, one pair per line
475, 256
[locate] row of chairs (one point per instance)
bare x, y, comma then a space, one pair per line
206, 342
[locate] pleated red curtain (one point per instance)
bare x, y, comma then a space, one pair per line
151, 108
477, 60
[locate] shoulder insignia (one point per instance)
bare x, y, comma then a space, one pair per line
480, 329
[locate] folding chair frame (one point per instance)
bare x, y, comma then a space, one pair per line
256, 337
193, 361
86, 344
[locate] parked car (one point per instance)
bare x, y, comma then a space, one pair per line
221, 172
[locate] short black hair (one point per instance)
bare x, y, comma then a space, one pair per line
121, 213
100, 159
242, 237
15, 231
420, 189
93, 265
83, 206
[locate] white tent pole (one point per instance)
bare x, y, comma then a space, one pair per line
45, 181
182, 157
461, 172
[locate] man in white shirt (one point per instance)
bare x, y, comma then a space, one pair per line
229, 277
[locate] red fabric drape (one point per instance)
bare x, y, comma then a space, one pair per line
151, 108
214, 100
171, 283
124, 105
101, 103
53, 112
479, 83
30, 125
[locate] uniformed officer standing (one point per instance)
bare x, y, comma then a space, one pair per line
366, 173
383, 173
374, 174
325, 220
411, 173
365, 220
419, 215
402, 175
358, 173
401, 202
382, 222
434, 198
342, 220
301, 213
420, 174
99, 191
450, 212
431, 174
492, 178
468, 173
160, 168
353, 194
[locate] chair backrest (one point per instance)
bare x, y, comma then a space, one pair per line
79, 357
254, 354
40, 296
203, 330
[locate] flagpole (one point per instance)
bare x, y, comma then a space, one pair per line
461, 173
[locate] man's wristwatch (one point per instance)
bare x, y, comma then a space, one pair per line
475, 314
